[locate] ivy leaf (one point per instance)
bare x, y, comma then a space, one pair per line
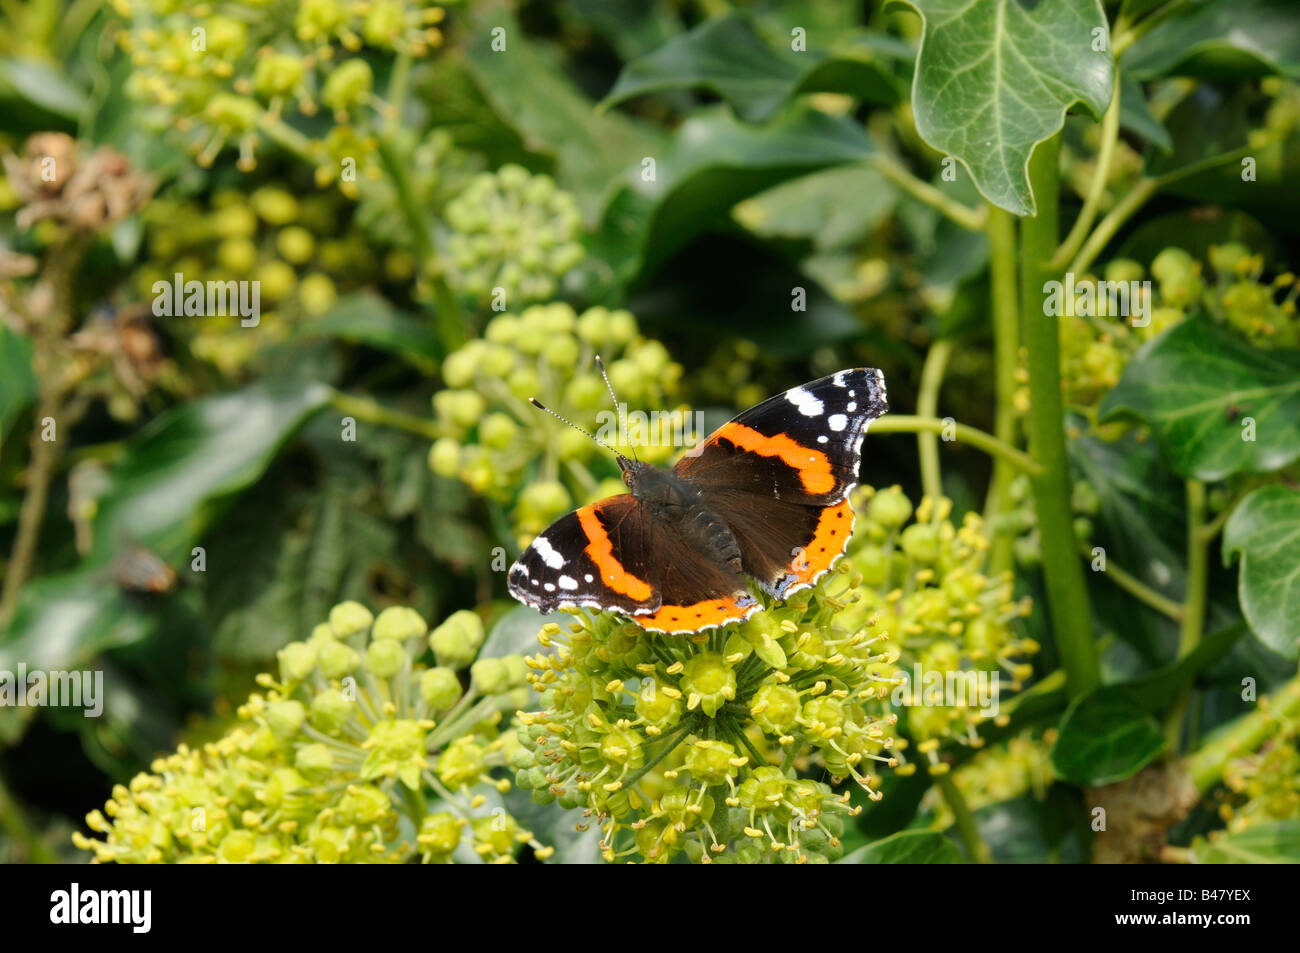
366, 318
1274, 843
1196, 384
1105, 737
716, 162
907, 847
1227, 39
1264, 530
551, 115
1135, 115
180, 468
995, 77
727, 56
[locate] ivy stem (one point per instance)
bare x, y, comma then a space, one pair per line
963, 819
447, 317
1138, 589
1097, 188
40, 473
1067, 595
1244, 735
1005, 312
963, 215
1193, 620
907, 423
371, 411
927, 403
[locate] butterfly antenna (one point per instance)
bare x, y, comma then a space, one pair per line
540, 406
601, 366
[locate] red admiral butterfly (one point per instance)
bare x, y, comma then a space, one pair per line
766, 495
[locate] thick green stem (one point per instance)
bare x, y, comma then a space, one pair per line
1193, 619
964, 820
1005, 311
1244, 735
907, 423
927, 405
1067, 595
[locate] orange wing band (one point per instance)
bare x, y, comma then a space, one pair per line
829, 540
813, 466
695, 617
601, 552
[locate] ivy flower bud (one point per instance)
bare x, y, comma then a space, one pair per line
440, 688
384, 659
297, 659
456, 641
349, 618
398, 623
337, 660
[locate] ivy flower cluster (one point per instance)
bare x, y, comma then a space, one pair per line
1014, 768
226, 74
715, 745
505, 449
292, 245
1264, 785
924, 580
1096, 349
732, 745
512, 234
354, 753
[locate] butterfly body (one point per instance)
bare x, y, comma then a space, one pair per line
764, 498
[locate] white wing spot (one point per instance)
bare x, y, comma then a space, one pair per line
837, 422
568, 582
587, 577
822, 438
548, 587
853, 405
547, 552
808, 405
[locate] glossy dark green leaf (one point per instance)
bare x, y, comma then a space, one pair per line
1135, 115
727, 56
60, 622
740, 288
550, 114
1221, 39
1105, 737
716, 162
366, 318
1205, 391
168, 485
995, 77
831, 209
17, 381
1264, 531
907, 847
41, 85
1277, 842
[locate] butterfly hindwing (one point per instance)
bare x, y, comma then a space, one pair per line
612, 555
780, 473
